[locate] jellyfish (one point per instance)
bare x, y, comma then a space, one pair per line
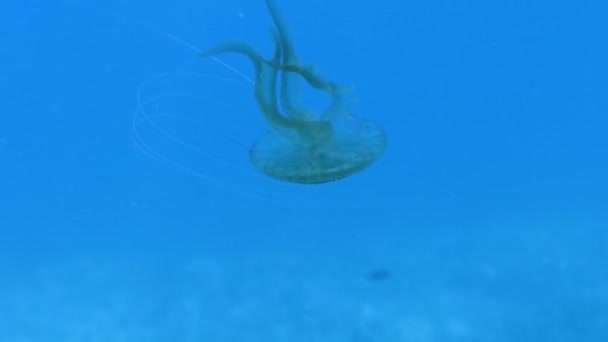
301, 145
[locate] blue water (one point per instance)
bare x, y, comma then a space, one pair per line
486, 219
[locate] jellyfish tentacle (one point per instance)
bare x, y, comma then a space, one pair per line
268, 107
289, 55
240, 48
291, 64
291, 88
338, 93
277, 57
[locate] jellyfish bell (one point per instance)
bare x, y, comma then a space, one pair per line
347, 146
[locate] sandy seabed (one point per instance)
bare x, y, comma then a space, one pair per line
541, 284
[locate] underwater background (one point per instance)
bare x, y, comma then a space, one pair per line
485, 220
